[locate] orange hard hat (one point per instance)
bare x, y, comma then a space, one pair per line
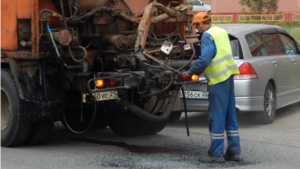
200, 17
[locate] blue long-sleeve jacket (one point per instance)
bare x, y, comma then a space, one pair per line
208, 51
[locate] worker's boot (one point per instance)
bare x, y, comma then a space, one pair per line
236, 158
212, 160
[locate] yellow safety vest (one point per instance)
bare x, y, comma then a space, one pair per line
222, 65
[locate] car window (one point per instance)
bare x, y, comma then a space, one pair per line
256, 44
271, 39
236, 49
288, 44
298, 46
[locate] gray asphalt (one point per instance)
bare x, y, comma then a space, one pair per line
274, 146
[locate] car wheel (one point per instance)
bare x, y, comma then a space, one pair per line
267, 116
15, 125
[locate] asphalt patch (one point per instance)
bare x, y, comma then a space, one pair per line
131, 163
227, 164
131, 148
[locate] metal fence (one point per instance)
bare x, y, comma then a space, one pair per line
254, 17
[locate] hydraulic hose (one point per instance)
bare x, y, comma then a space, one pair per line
63, 14
164, 89
185, 113
87, 128
150, 117
191, 59
54, 44
78, 60
64, 114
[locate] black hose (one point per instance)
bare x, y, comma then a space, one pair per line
62, 92
152, 66
63, 106
185, 112
167, 87
176, 64
88, 127
63, 14
193, 49
161, 39
150, 117
70, 8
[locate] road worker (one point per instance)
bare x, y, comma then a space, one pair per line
217, 63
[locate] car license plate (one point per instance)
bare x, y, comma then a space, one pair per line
100, 96
195, 94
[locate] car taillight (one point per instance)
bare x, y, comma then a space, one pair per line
246, 72
105, 83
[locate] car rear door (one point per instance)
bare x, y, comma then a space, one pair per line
291, 49
282, 67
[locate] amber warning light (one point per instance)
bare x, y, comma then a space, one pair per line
195, 78
105, 83
99, 83
191, 78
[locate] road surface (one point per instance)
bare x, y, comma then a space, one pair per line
263, 146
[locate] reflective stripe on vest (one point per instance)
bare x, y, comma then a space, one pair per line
222, 65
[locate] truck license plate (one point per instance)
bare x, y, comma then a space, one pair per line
106, 95
195, 94
100, 96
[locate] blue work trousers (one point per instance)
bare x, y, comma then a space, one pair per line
222, 116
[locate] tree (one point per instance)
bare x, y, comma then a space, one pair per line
271, 6
260, 6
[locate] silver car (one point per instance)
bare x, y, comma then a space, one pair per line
268, 58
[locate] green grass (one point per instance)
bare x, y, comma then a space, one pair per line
293, 29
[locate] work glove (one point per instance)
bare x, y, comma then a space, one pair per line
184, 76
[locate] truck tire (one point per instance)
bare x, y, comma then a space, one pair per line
40, 132
15, 125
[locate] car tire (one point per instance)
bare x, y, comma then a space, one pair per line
268, 114
175, 116
15, 124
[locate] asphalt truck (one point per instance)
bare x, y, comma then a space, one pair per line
91, 64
